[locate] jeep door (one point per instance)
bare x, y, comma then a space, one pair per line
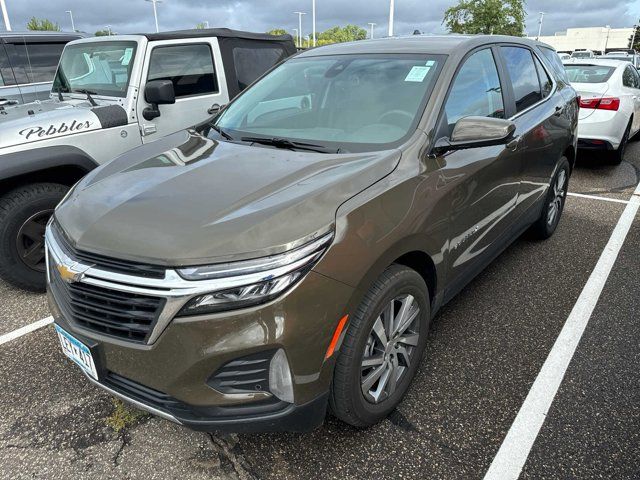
194, 66
481, 183
542, 125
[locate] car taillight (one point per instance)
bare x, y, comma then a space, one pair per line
604, 103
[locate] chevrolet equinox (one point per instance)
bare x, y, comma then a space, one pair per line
288, 256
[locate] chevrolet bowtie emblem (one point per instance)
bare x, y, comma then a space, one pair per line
68, 274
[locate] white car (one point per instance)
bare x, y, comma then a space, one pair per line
583, 54
609, 103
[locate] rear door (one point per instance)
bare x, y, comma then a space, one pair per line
541, 125
194, 66
483, 182
631, 88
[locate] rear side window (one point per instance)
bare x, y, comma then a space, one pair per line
251, 63
36, 62
524, 77
6, 75
545, 81
189, 67
630, 78
553, 59
476, 90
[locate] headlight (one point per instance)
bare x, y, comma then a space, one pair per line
258, 280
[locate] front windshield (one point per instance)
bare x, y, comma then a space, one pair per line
348, 102
101, 68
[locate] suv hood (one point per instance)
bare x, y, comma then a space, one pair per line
32, 122
187, 199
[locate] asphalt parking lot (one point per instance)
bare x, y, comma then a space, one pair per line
485, 351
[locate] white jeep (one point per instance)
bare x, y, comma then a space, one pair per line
110, 95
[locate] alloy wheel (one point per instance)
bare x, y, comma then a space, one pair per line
30, 240
555, 206
390, 348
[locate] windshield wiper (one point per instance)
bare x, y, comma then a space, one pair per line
221, 132
88, 93
289, 144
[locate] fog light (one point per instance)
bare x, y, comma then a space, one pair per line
280, 383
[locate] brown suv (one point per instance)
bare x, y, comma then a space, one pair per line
291, 253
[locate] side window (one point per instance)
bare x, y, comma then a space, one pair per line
524, 78
553, 58
189, 67
476, 90
6, 74
42, 61
637, 77
20, 63
629, 78
545, 81
250, 63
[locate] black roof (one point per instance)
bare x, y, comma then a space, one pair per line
215, 32
40, 35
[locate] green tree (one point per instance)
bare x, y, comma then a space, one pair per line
42, 24
348, 33
498, 17
277, 31
201, 26
104, 33
636, 39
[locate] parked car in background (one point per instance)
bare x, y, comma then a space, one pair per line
633, 58
609, 104
28, 62
583, 54
564, 56
290, 254
112, 94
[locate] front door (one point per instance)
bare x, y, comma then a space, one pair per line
482, 182
195, 69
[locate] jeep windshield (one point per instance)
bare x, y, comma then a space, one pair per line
351, 103
100, 68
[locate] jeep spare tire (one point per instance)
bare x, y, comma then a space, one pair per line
24, 213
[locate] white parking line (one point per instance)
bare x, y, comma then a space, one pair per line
516, 446
7, 337
596, 197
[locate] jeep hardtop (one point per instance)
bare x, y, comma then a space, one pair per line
110, 95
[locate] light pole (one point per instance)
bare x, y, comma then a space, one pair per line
300, 14
73, 25
108, 27
313, 20
206, 23
372, 25
606, 42
5, 16
155, 12
540, 24
391, 9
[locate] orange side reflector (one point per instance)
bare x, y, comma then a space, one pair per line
336, 336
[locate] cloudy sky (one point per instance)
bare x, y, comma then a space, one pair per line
129, 16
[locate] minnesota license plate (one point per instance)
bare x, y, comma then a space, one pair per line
77, 351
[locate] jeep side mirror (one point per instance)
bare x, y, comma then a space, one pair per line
473, 132
157, 92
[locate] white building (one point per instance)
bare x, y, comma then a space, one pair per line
591, 38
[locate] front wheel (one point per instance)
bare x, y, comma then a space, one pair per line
553, 206
24, 213
382, 349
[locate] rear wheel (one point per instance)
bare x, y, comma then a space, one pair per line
24, 213
546, 225
382, 349
616, 156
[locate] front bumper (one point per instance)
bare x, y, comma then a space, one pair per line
172, 376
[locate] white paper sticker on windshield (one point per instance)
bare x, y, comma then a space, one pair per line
417, 74
430, 63
126, 58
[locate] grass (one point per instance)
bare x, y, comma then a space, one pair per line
123, 416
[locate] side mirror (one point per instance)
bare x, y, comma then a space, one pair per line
157, 92
473, 132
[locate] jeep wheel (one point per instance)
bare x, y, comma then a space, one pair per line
24, 213
382, 348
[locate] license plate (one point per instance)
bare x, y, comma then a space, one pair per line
77, 351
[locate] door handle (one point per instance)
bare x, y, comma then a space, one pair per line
215, 108
558, 111
513, 144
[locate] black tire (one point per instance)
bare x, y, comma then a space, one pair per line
616, 156
36, 202
347, 400
543, 228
